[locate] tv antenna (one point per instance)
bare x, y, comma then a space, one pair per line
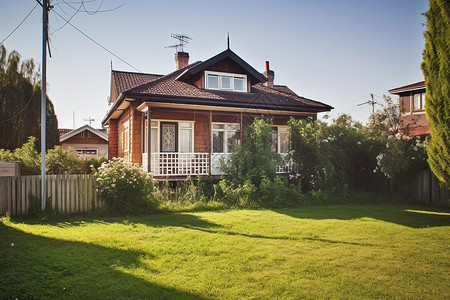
182, 39
371, 102
90, 120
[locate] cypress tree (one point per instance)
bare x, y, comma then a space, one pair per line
436, 69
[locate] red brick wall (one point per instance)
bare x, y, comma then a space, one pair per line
113, 147
135, 133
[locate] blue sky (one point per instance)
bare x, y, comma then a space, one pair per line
336, 52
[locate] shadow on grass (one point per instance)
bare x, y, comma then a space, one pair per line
405, 215
37, 267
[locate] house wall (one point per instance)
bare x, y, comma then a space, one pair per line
412, 122
102, 149
113, 139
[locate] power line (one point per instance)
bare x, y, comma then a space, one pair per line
97, 43
19, 24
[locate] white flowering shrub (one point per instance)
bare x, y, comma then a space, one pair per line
403, 157
124, 187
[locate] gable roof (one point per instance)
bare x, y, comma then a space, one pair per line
81, 129
255, 75
408, 88
172, 88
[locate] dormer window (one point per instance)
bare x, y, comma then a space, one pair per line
225, 81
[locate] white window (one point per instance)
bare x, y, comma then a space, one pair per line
126, 136
280, 139
419, 101
226, 81
225, 137
185, 136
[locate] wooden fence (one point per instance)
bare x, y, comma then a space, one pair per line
66, 193
423, 187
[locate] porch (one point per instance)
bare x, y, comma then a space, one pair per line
193, 164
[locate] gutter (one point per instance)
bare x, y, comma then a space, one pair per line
113, 108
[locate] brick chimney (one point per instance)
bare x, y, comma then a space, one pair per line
181, 59
270, 75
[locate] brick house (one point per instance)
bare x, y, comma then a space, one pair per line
412, 109
182, 123
86, 140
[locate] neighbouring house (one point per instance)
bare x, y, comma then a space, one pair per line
181, 124
413, 121
86, 140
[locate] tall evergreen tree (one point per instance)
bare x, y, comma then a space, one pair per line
20, 104
436, 69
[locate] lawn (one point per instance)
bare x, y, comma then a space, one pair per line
339, 251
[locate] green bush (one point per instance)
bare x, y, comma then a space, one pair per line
60, 161
27, 155
402, 157
242, 195
124, 187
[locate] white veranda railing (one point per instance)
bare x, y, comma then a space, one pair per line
177, 164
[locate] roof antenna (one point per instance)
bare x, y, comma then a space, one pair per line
183, 41
228, 41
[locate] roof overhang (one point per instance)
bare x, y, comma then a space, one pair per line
148, 104
408, 88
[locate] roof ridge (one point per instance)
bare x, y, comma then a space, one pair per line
138, 73
294, 95
164, 77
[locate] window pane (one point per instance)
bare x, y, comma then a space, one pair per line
232, 140
218, 141
416, 104
423, 101
226, 82
234, 127
218, 126
154, 140
185, 140
275, 139
284, 142
238, 84
154, 123
213, 81
185, 125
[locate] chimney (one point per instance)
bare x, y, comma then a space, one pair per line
181, 59
270, 75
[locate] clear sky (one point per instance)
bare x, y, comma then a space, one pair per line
336, 52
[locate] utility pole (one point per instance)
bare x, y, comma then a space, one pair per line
372, 102
45, 7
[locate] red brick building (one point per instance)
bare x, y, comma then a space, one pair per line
412, 108
182, 123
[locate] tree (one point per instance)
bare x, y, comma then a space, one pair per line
386, 121
20, 104
436, 70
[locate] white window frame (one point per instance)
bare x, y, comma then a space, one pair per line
421, 100
158, 135
225, 136
232, 75
285, 129
126, 136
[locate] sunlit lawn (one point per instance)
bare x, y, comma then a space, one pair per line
341, 251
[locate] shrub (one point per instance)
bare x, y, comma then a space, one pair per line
124, 187
60, 161
403, 157
254, 159
27, 155
242, 195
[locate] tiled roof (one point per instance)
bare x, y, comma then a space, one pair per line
126, 80
422, 130
276, 98
407, 88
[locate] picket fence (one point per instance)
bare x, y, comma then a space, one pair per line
67, 193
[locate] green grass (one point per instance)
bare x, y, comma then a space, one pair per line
339, 252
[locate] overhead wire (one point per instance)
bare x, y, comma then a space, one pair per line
97, 43
19, 24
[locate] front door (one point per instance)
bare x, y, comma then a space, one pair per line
169, 137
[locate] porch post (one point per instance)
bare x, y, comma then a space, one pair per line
149, 139
210, 141
241, 129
